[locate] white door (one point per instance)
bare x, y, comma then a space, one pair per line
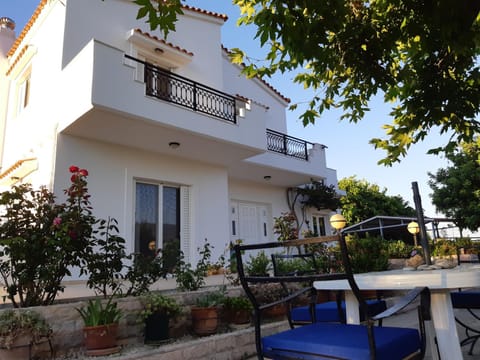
249, 222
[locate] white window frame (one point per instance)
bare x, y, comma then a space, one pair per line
185, 211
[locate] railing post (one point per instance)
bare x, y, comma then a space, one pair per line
195, 96
285, 150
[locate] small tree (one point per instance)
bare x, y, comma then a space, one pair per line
42, 240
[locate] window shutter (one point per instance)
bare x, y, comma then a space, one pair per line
185, 223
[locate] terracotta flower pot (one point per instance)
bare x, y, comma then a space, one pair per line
101, 339
241, 316
204, 320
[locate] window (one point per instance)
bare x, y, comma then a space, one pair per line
318, 225
161, 218
23, 92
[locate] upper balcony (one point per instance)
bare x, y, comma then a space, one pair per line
125, 101
112, 103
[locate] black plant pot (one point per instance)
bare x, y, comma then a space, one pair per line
156, 329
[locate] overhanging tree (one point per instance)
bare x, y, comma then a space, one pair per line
421, 55
364, 200
456, 189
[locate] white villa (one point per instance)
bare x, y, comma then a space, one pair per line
179, 145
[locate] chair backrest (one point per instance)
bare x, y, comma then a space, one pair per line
294, 264
468, 255
343, 271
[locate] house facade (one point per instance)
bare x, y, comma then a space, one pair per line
179, 146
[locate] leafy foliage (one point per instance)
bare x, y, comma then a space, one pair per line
258, 265
59, 236
211, 299
456, 189
365, 200
97, 313
285, 226
320, 196
237, 303
399, 249
367, 254
105, 265
423, 59
160, 14
191, 279
444, 247
157, 303
143, 272
15, 323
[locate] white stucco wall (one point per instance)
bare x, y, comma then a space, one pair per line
109, 21
113, 169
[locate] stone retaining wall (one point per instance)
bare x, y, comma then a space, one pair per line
67, 324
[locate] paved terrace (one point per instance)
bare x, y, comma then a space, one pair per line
206, 346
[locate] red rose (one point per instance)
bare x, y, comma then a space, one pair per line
73, 178
83, 172
73, 169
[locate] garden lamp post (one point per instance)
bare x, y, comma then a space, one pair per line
413, 229
338, 222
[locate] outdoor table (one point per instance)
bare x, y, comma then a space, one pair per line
440, 283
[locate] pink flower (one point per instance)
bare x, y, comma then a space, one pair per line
73, 169
57, 221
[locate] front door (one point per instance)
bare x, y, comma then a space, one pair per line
249, 222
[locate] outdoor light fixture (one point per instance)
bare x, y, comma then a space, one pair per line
267, 177
338, 222
413, 229
174, 144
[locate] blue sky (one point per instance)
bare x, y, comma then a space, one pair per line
348, 149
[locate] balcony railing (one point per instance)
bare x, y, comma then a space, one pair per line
287, 145
182, 91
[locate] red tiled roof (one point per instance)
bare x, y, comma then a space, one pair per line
20, 55
206, 12
263, 81
42, 4
15, 166
27, 27
178, 48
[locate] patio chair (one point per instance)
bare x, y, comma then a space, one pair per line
468, 300
325, 340
327, 311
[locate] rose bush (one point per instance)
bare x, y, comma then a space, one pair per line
41, 240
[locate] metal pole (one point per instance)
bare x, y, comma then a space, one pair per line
421, 223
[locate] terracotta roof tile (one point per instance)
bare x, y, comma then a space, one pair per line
17, 59
27, 27
206, 12
178, 48
42, 4
15, 166
263, 81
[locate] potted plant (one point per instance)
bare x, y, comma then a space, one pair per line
156, 314
20, 332
101, 326
237, 309
205, 313
268, 293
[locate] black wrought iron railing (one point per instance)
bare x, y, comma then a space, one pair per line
287, 145
182, 91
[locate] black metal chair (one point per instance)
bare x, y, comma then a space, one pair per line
327, 311
325, 340
469, 301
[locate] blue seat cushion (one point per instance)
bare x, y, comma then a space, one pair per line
466, 299
328, 312
342, 341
